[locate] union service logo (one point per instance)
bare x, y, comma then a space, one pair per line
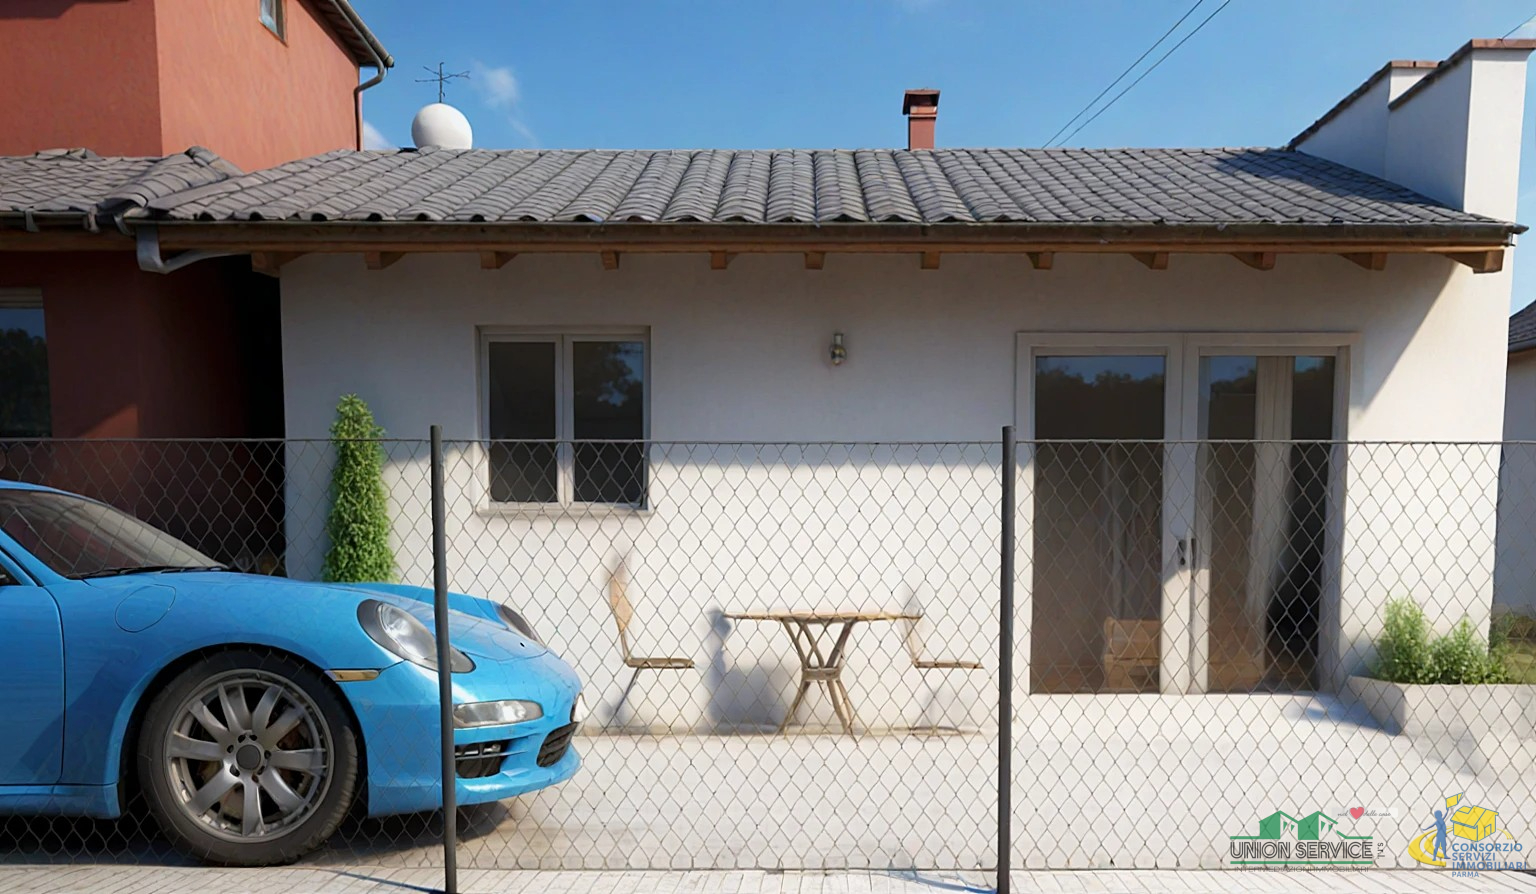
1466, 838
1312, 840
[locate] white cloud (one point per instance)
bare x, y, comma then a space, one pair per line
373, 139
499, 89
497, 86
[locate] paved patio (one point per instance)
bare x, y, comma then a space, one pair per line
366, 880
1100, 782
1111, 783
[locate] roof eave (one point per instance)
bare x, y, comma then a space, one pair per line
368, 50
433, 235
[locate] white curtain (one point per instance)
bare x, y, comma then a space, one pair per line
1271, 511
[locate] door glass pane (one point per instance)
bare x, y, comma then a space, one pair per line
609, 405
24, 406
1098, 499
1263, 497
522, 411
1301, 590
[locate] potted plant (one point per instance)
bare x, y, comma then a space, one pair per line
1455, 684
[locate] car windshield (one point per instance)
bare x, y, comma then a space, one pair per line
80, 538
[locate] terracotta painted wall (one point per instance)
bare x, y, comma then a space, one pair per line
134, 354
79, 73
229, 84
152, 77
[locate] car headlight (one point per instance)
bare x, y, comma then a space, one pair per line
400, 634
495, 713
516, 622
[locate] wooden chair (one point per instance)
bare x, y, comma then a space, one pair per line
623, 615
1130, 655
920, 660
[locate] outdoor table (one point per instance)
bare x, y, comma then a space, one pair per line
807, 630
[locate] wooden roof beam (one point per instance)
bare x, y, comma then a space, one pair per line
610, 259
495, 260
1372, 260
1041, 260
930, 260
719, 260
815, 260
270, 262
1154, 260
378, 260
1490, 261
1258, 260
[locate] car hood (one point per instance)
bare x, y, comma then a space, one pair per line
473, 625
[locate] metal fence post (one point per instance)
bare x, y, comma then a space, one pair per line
1005, 669
444, 667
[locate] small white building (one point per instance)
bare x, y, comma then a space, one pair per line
1515, 580
1351, 287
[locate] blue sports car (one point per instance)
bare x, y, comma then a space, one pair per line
251, 712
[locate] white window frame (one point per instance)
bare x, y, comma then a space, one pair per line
564, 338
279, 24
1182, 350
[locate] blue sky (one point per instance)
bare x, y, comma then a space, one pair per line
787, 73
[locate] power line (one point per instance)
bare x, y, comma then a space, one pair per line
1128, 70
1153, 68
1518, 27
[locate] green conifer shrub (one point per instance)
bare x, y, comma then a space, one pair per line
358, 524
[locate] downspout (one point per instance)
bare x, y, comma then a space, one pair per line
147, 246
147, 235
380, 65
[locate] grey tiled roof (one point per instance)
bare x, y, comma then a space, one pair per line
77, 184
1079, 186
1522, 329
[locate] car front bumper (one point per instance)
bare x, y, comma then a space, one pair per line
398, 714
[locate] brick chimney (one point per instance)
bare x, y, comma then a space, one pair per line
922, 110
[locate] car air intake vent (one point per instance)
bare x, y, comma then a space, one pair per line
480, 759
555, 745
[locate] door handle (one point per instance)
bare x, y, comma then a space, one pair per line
1186, 552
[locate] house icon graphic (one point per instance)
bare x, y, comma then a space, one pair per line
1280, 826
1470, 822
1277, 826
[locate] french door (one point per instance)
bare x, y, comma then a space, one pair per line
1176, 490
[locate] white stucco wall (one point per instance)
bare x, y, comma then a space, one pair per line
1515, 580
740, 355
1357, 133
1455, 139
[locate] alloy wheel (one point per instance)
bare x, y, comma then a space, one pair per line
248, 756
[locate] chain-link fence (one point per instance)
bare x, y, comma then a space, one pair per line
788, 654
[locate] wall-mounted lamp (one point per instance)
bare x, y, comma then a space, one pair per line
839, 353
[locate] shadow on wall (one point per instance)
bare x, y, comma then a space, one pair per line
742, 699
43, 9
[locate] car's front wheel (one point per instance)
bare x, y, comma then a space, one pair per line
248, 759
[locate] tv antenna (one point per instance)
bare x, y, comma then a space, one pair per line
441, 78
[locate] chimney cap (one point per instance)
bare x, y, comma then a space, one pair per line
925, 100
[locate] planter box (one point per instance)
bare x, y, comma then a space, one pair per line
1437, 711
